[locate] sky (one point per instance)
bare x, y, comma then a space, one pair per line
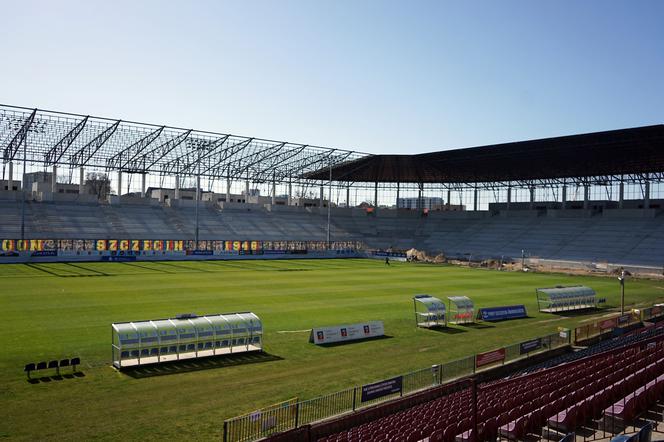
373, 76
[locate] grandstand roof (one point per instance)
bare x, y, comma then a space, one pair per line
71, 140
631, 151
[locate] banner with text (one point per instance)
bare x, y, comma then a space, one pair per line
382, 388
531, 345
490, 357
502, 313
344, 333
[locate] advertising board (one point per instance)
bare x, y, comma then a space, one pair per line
344, 333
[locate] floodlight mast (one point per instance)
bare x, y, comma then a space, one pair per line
23, 195
329, 203
621, 278
198, 195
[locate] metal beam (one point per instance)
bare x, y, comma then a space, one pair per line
221, 163
145, 161
83, 155
54, 155
256, 159
131, 152
15, 143
277, 160
188, 166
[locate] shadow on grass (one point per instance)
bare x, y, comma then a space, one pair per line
581, 312
477, 325
448, 330
69, 275
56, 377
356, 341
188, 365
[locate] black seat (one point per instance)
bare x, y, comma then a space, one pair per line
64, 363
41, 365
74, 362
154, 352
28, 368
54, 364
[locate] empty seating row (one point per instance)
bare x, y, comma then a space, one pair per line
517, 406
54, 364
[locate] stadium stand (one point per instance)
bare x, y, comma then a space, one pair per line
609, 344
626, 240
608, 385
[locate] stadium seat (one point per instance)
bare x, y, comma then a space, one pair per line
54, 364
29, 368
64, 363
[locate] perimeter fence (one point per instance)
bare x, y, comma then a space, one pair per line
292, 414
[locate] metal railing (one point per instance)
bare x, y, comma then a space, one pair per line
292, 414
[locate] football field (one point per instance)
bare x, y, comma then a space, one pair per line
55, 311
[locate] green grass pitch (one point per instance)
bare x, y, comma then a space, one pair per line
52, 311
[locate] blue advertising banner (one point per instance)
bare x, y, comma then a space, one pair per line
119, 258
528, 346
199, 252
382, 388
501, 313
45, 253
390, 254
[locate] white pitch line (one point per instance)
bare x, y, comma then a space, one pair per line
294, 331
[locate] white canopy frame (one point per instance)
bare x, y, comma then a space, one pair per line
461, 310
164, 340
429, 311
566, 298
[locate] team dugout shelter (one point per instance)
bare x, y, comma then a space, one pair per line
560, 298
461, 310
429, 311
187, 336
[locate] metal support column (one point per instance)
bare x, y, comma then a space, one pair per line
290, 193
81, 181
419, 204
621, 195
119, 184
246, 191
10, 182
228, 190
143, 175
531, 206
509, 196
397, 202
586, 193
475, 199
274, 190
564, 197
376, 194
348, 196
449, 197
177, 187
54, 180
322, 196
646, 193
